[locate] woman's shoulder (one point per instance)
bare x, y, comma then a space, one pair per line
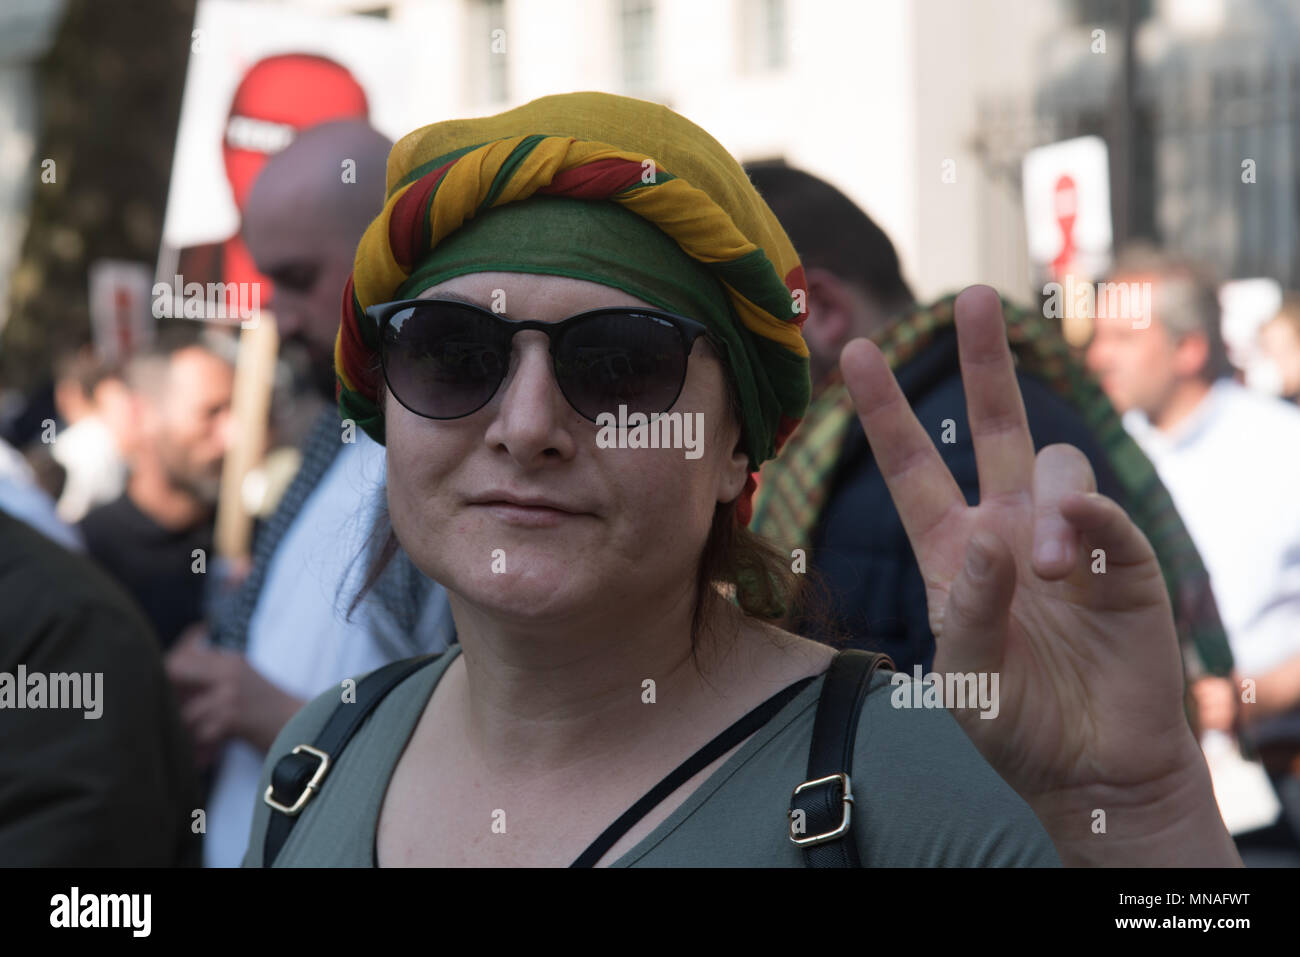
923, 795
401, 706
307, 724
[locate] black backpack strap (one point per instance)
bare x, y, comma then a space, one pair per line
821, 820
297, 776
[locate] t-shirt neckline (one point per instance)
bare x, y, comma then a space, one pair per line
758, 740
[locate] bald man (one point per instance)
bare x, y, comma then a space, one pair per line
304, 217
289, 633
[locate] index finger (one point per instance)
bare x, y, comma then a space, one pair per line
1004, 449
919, 482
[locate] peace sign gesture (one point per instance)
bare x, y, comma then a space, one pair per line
1090, 713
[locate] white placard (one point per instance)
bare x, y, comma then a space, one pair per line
229, 39
121, 316
1067, 209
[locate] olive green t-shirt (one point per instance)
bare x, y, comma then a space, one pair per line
924, 797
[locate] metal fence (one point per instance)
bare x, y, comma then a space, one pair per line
1215, 146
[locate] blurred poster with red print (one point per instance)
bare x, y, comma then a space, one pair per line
1067, 209
259, 74
1068, 228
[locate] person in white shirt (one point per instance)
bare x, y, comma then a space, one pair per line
1230, 458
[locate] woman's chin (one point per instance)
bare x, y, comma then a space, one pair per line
530, 593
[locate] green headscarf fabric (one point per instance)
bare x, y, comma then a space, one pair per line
598, 242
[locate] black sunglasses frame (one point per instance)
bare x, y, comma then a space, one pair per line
688, 330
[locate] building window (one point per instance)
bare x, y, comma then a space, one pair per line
487, 46
764, 41
636, 28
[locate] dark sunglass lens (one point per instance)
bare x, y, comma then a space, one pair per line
442, 360
628, 359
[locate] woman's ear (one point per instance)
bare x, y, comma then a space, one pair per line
735, 472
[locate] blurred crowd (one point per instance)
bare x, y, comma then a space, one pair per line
108, 537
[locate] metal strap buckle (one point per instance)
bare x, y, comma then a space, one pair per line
312, 786
843, 780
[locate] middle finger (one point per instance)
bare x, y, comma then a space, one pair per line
1004, 450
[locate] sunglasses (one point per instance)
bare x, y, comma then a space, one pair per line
445, 359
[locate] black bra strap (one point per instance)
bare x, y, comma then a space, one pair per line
692, 766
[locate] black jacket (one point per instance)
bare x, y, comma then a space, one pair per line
113, 790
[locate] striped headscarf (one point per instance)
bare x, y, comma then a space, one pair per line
596, 147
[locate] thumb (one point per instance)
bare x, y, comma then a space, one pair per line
979, 603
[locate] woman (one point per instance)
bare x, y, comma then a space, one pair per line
591, 661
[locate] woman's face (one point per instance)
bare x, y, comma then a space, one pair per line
517, 510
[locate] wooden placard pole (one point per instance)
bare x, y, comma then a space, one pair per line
250, 407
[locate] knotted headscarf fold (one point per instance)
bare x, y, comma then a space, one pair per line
601, 148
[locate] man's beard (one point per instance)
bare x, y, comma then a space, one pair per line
202, 483
204, 488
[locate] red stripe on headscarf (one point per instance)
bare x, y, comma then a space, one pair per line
796, 282
783, 429
354, 353
596, 180
407, 226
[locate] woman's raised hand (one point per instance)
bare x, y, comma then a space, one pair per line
1090, 683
